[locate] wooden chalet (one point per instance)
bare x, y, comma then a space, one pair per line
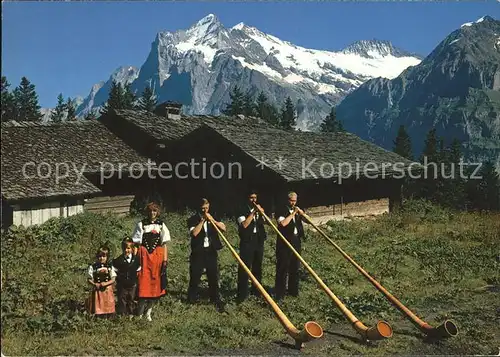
215, 157
149, 133
33, 191
325, 169
241, 144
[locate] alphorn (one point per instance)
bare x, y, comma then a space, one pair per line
381, 330
312, 330
446, 329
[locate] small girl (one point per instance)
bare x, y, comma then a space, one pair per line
101, 276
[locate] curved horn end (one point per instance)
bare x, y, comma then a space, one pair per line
380, 331
445, 330
312, 330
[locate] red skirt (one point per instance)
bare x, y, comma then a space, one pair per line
149, 277
102, 302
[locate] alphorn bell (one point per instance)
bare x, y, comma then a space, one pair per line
446, 329
312, 330
381, 330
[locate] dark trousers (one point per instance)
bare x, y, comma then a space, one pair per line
252, 253
204, 258
287, 266
126, 297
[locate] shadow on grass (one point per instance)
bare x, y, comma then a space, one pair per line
348, 337
288, 346
410, 333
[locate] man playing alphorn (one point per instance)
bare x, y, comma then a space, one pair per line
252, 236
205, 244
287, 265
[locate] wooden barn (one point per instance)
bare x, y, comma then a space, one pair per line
61, 169
336, 175
250, 149
148, 133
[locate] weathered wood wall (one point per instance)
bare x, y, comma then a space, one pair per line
41, 213
349, 210
119, 205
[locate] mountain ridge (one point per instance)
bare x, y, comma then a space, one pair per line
198, 66
455, 89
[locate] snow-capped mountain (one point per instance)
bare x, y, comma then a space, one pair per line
455, 89
199, 67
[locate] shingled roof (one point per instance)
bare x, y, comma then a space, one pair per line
82, 145
168, 129
297, 156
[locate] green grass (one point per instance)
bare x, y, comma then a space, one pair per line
440, 264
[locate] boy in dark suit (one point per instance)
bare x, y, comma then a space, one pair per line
126, 267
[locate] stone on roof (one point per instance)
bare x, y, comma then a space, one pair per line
82, 146
296, 155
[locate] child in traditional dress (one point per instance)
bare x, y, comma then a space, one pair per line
126, 267
101, 276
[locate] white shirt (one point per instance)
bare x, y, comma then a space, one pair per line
139, 231
128, 259
241, 219
206, 241
90, 271
281, 218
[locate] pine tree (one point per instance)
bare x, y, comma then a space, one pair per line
236, 105
71, 107
288, 116
115, 99
266, 110
274, 115
248, 105
147, 101
330, 124
488, 188
262, 106
91, 115
128, 98
57, 114
27, 101
402, 147
431, 146
402, 144
452, 190
428, 185
9, 110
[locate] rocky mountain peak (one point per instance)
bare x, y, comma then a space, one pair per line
125, 74
199, 65
205, 31
375, 48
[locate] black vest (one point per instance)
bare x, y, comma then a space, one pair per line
197, 241
288, 230
126, 275
102, 272
151, 240
246, 233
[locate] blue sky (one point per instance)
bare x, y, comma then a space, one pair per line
69, 46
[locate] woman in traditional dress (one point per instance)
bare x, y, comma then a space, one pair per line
152, 234
101, 276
